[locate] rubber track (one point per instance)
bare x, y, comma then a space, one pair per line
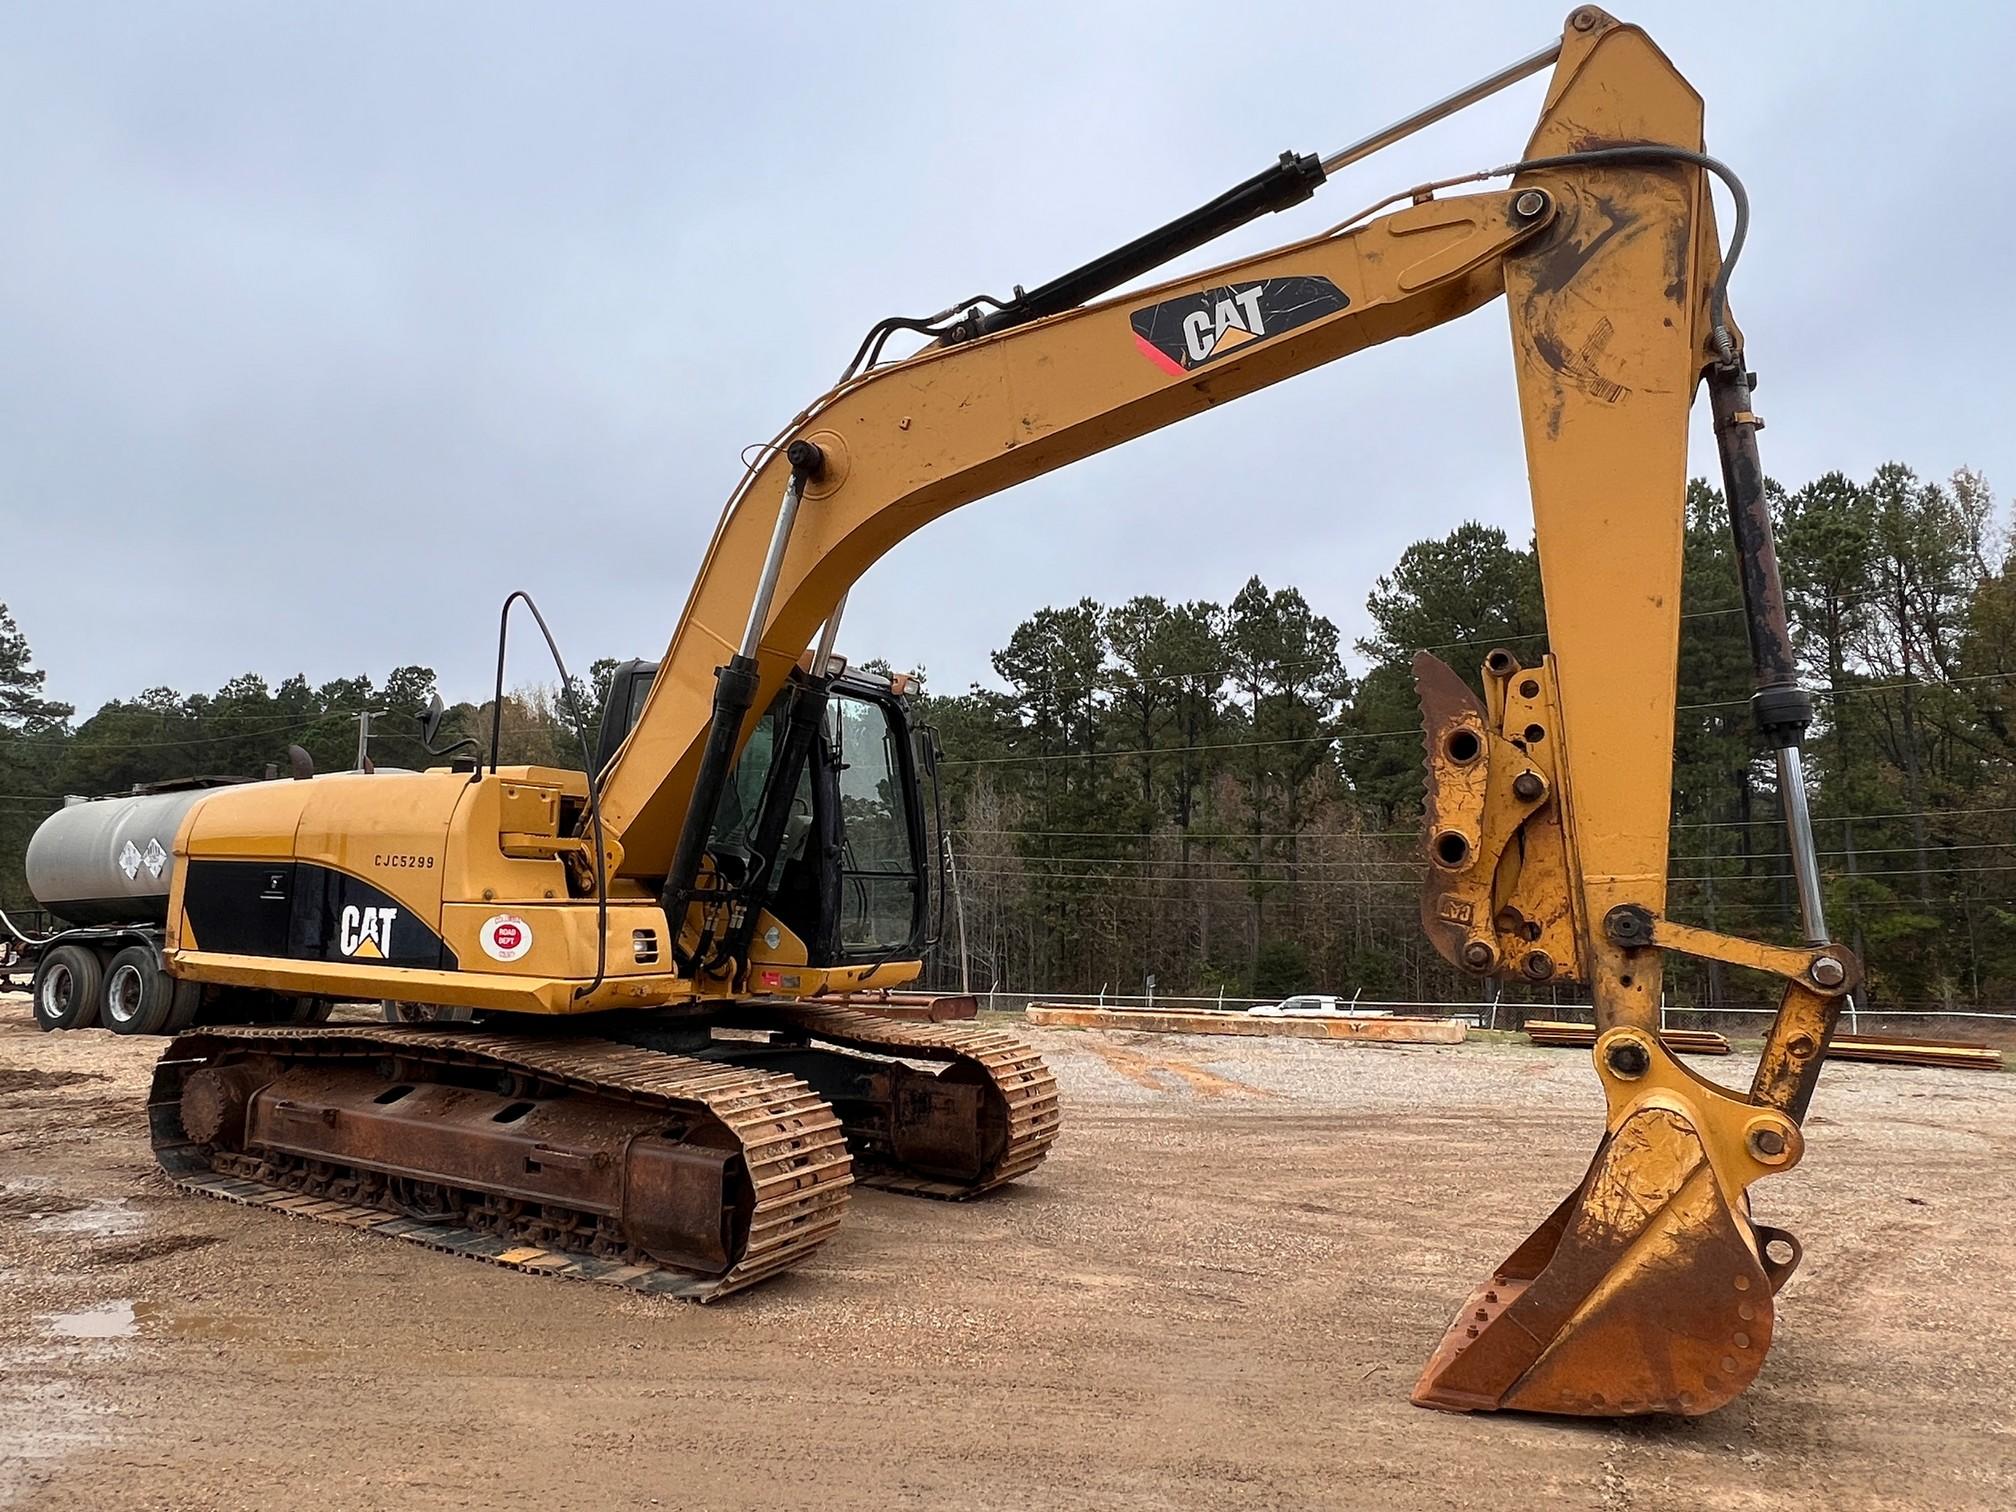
792, 1144
1017, 1071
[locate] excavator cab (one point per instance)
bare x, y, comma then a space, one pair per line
846, 870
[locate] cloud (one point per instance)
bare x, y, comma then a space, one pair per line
321, 328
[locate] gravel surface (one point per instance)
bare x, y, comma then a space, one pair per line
1217, 1292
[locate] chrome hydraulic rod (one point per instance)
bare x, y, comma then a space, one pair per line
734, 692
822, 660
1782, 708
1799, 834
805, 461
1428, 115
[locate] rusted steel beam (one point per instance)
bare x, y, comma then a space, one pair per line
1906, 1050
1391, 1031
1562, 1035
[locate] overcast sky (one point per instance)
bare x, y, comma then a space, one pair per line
324, 326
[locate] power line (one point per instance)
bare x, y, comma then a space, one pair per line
296, 724
1858, 688
1415, 832
1041, 873
1352, 737
1769, 910
1198, 835
1228, 837
1218, 861
292, 726
1320, 864
1056, 876
1843, 818
1887, 850
1838, 875
1230, 745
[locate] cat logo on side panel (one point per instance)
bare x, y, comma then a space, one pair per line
366, 933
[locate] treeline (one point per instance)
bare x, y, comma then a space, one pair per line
241, 730
1224, 798
1209, 794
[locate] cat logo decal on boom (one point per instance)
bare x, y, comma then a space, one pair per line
1180, 334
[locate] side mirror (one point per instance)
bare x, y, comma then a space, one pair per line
430, 720
430, 730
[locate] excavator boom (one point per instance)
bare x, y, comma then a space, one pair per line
1605, 270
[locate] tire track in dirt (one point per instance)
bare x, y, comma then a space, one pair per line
1149, 1071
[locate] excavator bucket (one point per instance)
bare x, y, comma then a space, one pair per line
1647, 1290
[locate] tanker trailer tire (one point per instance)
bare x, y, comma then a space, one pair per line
66, 988
306, 1011
253, 1005
400, 1012
188, 1002
139, 997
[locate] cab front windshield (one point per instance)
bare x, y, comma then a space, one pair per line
878, 869
878, 893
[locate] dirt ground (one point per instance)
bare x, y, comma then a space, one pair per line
1216, 1293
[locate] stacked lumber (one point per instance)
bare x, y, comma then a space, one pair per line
1326, 1026
1905, 1050
1565, 1036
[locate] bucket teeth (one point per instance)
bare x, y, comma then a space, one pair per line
1643, 1292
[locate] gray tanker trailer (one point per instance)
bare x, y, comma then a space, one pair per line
101, 868
106, 860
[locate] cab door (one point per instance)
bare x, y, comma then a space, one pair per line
877, 826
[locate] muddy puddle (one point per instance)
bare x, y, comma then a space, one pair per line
125, 1319
99, 1218
108, 1320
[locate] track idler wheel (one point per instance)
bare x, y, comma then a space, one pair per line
1649, 1289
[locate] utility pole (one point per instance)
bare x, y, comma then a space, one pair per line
958, 913
364, 718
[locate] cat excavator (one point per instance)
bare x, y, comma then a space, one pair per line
654, 1089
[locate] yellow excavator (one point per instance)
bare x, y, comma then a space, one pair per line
656, 1089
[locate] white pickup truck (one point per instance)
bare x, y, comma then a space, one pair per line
1315, 1005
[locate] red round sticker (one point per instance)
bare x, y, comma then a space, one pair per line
505, 937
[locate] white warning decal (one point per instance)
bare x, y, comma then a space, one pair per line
505, 937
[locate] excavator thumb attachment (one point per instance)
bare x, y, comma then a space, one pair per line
1649, 1289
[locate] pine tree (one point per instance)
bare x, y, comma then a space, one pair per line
31, 731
